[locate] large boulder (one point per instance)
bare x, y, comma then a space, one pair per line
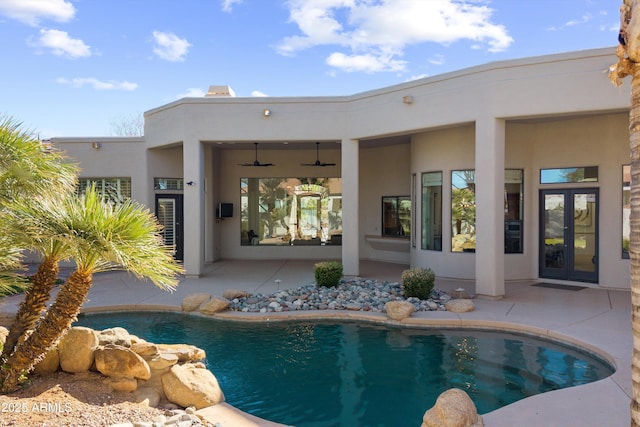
126, 384
453, 408
185, 352
49, 363
232, 294
399, 310
193, 301
76, 349
215, 305
118, 361
191, 385
459, 305
162, 361
116, 336
145, 349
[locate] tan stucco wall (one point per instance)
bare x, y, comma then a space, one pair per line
443, 150
589, 141
116, 157
384, 171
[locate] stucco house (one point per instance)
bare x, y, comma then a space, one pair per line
513, 170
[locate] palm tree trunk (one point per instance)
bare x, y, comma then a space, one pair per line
634, 248
34, 302
55, 323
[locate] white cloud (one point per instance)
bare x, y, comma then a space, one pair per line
227, 5
376, 33
192, 92
257, 93
61, 44
170, 47
418, 77
31, 12
369, 62
80, 82
583, 20
437, 59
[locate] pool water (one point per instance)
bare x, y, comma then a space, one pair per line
323, 374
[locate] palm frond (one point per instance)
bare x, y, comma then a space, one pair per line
27, 169
100, 236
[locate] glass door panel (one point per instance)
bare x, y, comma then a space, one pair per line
553, 226
584, 232
169, 214
569, 234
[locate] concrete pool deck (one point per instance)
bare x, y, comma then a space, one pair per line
595, 318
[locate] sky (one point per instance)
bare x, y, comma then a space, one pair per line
84, 67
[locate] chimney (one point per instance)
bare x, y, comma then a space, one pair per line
220, 91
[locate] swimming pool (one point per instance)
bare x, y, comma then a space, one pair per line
312, 374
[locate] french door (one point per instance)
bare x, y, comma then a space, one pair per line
569, 234
169, 213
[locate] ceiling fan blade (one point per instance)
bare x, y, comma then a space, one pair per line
318, 162
256, 162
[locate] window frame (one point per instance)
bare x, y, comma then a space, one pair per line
397, 219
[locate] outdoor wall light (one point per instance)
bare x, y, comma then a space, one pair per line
266, 112
190, 183
408, 99
96, 145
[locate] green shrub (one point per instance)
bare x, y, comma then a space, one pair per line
418, 282
327, 273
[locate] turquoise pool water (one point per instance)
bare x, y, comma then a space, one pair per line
325, 374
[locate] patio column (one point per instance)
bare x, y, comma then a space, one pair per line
489, 164
350, 213
193, 163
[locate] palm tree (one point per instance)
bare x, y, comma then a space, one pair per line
38, 293
29, 172
99, 237
629, 65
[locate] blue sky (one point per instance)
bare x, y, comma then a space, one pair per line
76, 67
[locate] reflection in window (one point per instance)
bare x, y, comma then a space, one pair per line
563, 175
396, 216
167, 184
114, 190
432, 211
626, 209
291, 211
463, 211
513, 197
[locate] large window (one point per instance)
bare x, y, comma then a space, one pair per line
396, 216
291, 211
432, 211
115, 190
463, 210
626, 209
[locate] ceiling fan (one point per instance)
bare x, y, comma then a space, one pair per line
318, 162
256, 162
